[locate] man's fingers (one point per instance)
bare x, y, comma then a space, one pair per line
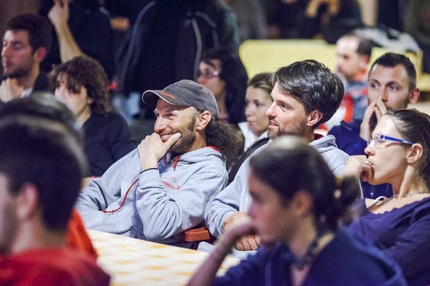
247, 243
173, 139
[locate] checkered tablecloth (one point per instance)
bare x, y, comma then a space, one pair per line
137, 262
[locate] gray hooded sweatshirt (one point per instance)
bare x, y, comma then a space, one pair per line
235, 197
156, 203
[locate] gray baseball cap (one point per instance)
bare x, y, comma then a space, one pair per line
184, 93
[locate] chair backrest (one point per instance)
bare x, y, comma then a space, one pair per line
268, 55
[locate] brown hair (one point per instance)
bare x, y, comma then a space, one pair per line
83, 71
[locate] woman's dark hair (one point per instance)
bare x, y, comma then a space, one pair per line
233, 73
83, 71
289, 165
414, 126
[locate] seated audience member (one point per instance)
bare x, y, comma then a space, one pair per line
46, 106
162, 188
25, 44
223, 73
257, 101
391, 86
41, 166
304, 95
352, 59
254, 130
82, 85
398, 154
296, 210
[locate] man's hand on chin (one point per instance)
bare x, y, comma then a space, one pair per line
152, 148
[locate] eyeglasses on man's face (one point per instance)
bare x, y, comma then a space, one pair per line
380, 138
208, 74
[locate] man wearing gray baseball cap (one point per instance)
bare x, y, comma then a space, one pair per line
162, 188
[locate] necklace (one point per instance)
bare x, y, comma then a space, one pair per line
384, 199
408, 195
301, 262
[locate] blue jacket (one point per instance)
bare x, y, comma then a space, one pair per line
346, 260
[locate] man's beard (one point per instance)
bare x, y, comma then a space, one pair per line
18, 71
299, 131
187, 138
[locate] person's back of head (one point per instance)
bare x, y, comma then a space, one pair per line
313, 84
43, 105
38, 28
43, 160
391, 60
277, 166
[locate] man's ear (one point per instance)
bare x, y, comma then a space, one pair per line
40, 54
365, 59
203, 120
314, 117
414, 95
27, 202
415, 153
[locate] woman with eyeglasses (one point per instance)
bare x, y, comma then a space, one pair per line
223, 73
398, 154
296, 206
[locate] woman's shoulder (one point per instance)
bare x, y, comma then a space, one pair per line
361, 256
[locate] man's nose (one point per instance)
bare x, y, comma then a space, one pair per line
159, 125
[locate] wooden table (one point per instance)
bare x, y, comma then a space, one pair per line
138, 262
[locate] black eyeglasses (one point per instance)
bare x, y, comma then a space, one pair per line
379, 138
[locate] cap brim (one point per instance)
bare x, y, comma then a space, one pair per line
150, 97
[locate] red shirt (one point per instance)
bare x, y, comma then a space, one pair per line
51, 266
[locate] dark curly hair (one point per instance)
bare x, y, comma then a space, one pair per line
226, 137
83, 71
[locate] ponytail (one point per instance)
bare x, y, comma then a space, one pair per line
347, 191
